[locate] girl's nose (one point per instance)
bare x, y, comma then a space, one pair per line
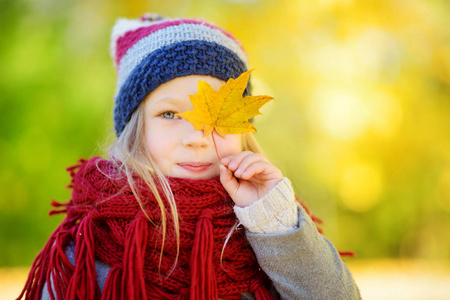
195, 138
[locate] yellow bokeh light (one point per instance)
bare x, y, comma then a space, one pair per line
385, 113
340, 112
378, 54
334, 62
360, 186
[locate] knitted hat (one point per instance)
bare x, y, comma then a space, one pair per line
152, 50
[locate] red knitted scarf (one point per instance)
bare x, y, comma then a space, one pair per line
107, 224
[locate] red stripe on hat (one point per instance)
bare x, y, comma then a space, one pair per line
126, 41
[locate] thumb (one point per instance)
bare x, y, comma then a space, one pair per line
228, 181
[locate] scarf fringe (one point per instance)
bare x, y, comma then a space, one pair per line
133, 281
260, 291
36, 278
127, 281
83, 284
51, 265
203, 277
61, 270
113, 284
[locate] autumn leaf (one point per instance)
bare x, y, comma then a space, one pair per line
224, 110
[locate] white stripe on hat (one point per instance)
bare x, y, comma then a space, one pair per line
122, 26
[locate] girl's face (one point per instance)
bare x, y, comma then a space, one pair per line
175, 146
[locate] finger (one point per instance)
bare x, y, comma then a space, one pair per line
249, 172
234, 160
229, 182
260, 170
237, 159
226, 160
249, 160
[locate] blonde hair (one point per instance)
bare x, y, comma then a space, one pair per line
130, 152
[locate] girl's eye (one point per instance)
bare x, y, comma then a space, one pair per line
168, 115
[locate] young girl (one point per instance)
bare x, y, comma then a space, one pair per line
164, 217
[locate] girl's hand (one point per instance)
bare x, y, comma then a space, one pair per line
254, 176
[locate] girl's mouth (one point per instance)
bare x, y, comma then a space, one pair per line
195, 167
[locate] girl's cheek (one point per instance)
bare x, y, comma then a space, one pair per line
232, 144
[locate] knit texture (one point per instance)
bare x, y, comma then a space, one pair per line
276, 212
107, 224
149, 52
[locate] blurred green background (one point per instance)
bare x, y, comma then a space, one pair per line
360, 124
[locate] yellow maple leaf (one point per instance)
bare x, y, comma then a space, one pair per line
224, 110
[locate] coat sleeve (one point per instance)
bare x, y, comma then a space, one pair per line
300, 261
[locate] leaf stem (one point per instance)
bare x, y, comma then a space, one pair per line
215, 145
